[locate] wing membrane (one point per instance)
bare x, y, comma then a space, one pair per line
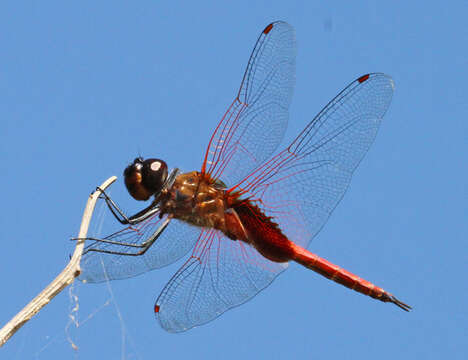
174, 242
254, 124
305, 182
220, 274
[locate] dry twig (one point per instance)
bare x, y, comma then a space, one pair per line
65, 278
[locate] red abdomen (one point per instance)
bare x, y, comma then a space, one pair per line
266, 236
263, 233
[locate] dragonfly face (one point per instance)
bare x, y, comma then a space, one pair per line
144, 178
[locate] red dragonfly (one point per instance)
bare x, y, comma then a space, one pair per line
247, 212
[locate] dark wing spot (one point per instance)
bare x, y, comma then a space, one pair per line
268, 29
363, 78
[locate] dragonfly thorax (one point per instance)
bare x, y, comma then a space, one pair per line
195, 200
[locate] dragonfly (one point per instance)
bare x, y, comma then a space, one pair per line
250, 209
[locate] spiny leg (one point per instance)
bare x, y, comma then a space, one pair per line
120, 215
144, 246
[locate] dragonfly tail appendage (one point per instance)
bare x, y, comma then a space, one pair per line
387, 297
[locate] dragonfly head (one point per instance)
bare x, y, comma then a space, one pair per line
144, 178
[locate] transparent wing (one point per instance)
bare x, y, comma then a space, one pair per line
298, 188
302, 185
175, 241
254, 124
220, 274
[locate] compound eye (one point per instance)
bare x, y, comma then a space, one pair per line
133, 181
154, 174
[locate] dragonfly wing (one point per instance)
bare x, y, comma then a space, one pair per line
254, 124
298, 188
176, 240
302, 185
220, 274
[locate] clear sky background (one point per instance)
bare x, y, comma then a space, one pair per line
87, 86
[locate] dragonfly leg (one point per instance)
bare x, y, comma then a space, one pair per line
120, 215
140, 248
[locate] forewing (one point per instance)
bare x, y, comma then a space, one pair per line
176, 240
302, 185
254, 124
220, 274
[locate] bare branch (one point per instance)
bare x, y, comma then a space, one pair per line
65, 278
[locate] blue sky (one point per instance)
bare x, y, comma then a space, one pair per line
86, 87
